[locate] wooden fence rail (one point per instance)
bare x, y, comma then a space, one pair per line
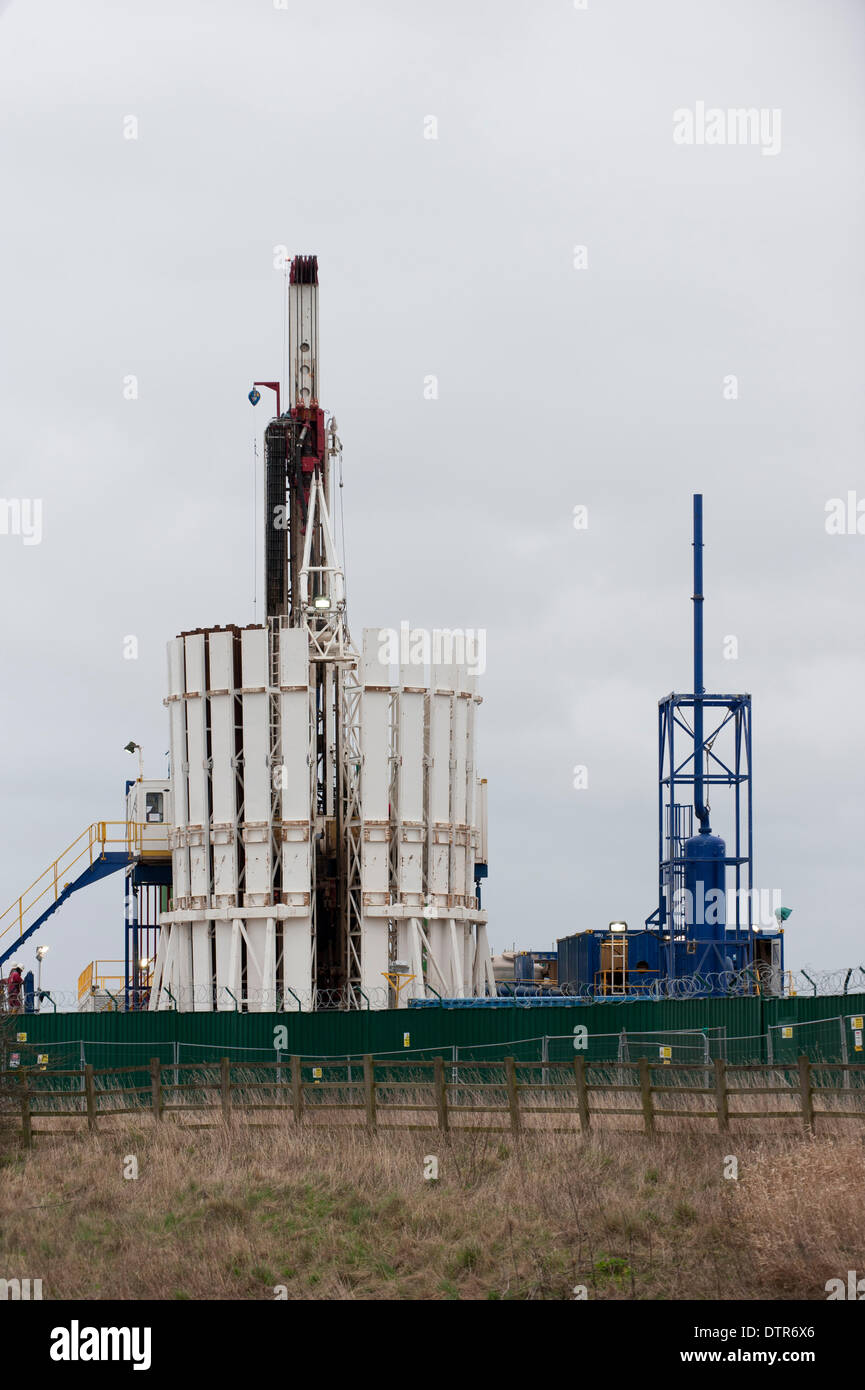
584, 1093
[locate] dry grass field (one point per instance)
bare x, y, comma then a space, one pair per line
337, 1213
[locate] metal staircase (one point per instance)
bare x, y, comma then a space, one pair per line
88, 858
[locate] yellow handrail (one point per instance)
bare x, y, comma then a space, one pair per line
93, 978
92, 843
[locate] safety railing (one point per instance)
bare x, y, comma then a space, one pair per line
95, 977
84, 851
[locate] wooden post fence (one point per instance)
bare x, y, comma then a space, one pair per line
807, 1094
812, 1091
646, 1096
441, 1093
296, 1090
721, 1099
513, 1094
90, 1093
582, 1092
369, 1089
156, 1087
225, 1088
26, 1126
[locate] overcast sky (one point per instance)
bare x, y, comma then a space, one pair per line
564, 378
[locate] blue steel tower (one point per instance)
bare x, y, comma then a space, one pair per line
704, 770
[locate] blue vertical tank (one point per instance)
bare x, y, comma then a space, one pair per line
705, 884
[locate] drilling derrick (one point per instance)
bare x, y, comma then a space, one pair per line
305, 590
329, 824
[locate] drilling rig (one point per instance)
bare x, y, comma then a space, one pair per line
329, 829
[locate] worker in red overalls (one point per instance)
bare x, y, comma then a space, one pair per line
14, 981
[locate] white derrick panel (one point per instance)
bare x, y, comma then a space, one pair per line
267, 1003
481, 820
226, 976
471, 686
484, 980
458, 787
196, 751
439, 822
156, 992
456, 954
295, 775
438, 968
440, 703
256, 971
256, 768
228, 943
373, 957
297, 962
294, 710
438, 934
410, 712
177, 745
223, 775
374, 774
202, 975
177, 971
375, 699
375, 808
413, 949
468, 955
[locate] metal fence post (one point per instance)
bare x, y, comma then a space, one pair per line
296, 1090
646, 1093
807, 1094
156, 1087
513, 1094
721, 1099
90, 1091
769, 1057
623, 1076
369, 1088
545, 1057
441, 1092
845, 1056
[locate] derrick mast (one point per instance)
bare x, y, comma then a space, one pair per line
305, 589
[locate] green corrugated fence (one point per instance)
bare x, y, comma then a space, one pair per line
697, 1030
